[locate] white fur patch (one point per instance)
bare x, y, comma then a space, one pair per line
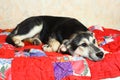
32, 32
18, 38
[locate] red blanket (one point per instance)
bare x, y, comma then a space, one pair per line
31, 63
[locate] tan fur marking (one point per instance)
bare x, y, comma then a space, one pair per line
53, 45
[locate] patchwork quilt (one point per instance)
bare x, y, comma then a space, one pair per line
31, 63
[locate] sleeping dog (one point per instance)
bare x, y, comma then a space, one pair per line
59, 34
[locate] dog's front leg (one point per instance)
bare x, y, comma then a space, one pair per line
52, 45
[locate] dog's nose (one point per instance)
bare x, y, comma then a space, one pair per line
100, 54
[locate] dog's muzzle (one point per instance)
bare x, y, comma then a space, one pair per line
100, 54
96, 53
96, 56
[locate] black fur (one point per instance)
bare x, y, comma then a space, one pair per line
56, 27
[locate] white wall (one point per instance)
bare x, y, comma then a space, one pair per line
89, 12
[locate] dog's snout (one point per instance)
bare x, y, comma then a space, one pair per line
100, 54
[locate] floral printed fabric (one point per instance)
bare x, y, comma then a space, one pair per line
5, 69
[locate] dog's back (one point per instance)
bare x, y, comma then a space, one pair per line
60, 28
47, 22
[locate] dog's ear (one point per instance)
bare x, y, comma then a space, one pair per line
90, 32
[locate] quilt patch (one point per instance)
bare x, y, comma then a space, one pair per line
5, 69
68, 65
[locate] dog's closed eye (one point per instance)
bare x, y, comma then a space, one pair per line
84, 45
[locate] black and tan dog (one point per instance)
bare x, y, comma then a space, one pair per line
62, 34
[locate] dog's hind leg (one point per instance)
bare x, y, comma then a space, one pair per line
17, 39
34, 41
52, 46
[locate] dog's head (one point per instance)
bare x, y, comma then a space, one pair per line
83, 44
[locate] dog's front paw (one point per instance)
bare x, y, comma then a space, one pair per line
47, 48
19, 43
